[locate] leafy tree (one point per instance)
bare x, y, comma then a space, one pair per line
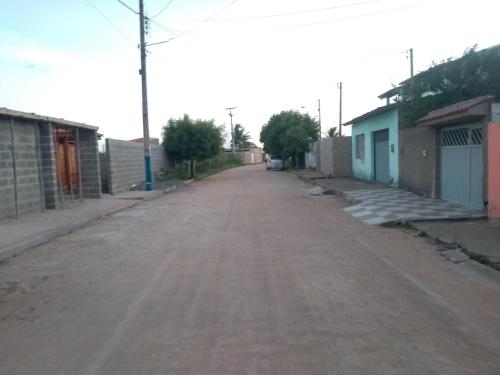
241, 137
451, 81
190, 140
332, 132
289, 133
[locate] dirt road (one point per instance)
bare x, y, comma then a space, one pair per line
244, 273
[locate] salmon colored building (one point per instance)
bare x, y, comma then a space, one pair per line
494, 170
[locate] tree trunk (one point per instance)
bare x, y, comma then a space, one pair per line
191, 168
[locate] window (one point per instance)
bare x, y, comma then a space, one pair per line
360, 147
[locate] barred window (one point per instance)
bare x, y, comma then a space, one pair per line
360, 147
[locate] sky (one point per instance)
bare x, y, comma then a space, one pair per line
79, 59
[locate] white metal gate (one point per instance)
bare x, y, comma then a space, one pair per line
462, 165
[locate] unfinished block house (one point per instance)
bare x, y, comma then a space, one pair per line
45, 162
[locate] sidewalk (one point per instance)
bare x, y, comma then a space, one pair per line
479, 237
377, 204
17, 235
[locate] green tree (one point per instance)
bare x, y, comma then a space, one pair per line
332, 132
451, 81
190, 140
241, 137
288, 134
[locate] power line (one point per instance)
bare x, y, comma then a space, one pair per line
127, 6
379, 54
312, 23
163, 9
163, 27
286, 14
208, 18
109, 21
340, 19
220, 11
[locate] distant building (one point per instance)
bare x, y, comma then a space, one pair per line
152, 140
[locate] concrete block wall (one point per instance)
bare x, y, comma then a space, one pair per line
103, 165
333, 156
159, 159
28, 167
47, 154
89, 159
326, 156
125, 161
35, 166
342, 156
417, 160
7, 205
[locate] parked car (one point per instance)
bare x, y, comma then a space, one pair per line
275, 162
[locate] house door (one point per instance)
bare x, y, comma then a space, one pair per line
66, 163
462, 165
381, 156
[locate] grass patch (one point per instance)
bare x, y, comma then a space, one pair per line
483, 259
443, 246
219, 163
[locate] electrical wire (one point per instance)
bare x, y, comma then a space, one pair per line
127, 6
326, 21
162, 10
346, 18
380, 55
163, 27
117, 29
286, 14
208, 18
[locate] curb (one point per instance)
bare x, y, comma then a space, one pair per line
338, 193
37, 240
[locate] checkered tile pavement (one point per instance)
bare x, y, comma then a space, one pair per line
383, 206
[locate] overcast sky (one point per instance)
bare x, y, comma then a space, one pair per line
78, 59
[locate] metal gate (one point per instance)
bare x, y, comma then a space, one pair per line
462, 165
381, 154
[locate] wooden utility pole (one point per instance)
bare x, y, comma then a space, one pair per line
319, 117
411, 61
339, 86
233, 148
145, 116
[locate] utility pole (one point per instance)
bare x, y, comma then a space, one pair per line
339, 86
319, 117
411, 61
232, 130
145, 117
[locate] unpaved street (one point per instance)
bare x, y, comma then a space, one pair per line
244, 273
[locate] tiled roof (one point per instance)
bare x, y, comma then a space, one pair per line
370, 114
33, 116
455, 108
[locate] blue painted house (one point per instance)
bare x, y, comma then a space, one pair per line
375, 145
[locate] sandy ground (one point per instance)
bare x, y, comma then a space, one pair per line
244, 272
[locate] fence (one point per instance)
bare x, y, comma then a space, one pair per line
122, 164
331, 156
